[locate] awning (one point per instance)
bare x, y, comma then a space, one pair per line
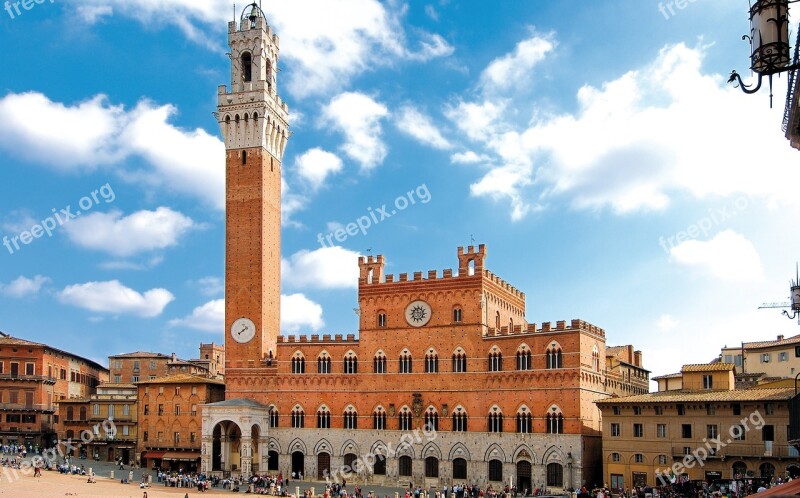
182, 456
786, 489
154, 454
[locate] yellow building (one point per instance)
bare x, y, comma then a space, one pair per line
705, 430
772, 359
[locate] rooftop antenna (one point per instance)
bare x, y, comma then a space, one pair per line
472, 240
234, 12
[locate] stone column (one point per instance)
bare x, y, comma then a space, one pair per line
206, 458
225, 450
246, 455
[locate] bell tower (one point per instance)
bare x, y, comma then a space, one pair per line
254, 124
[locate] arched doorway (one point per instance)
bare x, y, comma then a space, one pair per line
323, 465
298, 463
110, 454
524, 472
349, 460
767, 470
739, 470
793, 471
555, 475
225, 447
459, 468
273, 460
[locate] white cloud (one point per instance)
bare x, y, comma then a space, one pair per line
95, 133
77, 136
113, 298
298, 312
421, 127
91, 14
123, 264
729, 256
326, 42
358, 117
121, 235
290, 204
513, 69
430, 11
468, 157
324, 268
24, 287
210, 286
644, 138
315, 165
210, 317
666, 323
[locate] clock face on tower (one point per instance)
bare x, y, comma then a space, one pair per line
418, 313
243, 330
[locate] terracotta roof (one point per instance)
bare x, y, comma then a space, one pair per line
14, 341
8, 340
182, 379
141, 354
795, 339
112, 385
765, 394
708, 367
668, 376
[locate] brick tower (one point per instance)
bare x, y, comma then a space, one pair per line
254, 123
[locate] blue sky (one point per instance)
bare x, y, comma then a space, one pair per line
594, 147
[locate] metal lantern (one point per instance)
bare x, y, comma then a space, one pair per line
769, 36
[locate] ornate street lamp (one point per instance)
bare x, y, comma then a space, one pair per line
769, 43
795, 297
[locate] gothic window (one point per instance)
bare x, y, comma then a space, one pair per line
405, 362
323, 418
524, 421
405, 419
247, 67
431, 361
379, 419
554, 421
298, 364
457, 314
523, 358
459, 361
273, 417
495, 360
350, 363
380, 363
459, 420
431, 420
382, 320
495, 420
350, 418
324, 363
553, 356
298, 418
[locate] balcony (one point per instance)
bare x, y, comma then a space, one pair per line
765, 449
28, 378
24, 407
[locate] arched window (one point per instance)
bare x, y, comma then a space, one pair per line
70, 434
457, 314
379, 363
298, 364
497, 322
247, 67
555, 475
404, 464
431, 467
739, 470
524, 421
82, 413
351, 363
459, 361
511, 326
324, 363
379, 419
495, 360
350, 418
496, 470
553, 356
269, 74
767, 470
273, 417
405, 362
70, 413
459, 420
431, 361
523, 358
298, 417
323, 418
495, 420
431, 420
382, 320
616, 457
405, 418
554, 421
595, 359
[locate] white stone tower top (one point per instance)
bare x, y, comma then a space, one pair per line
252, 114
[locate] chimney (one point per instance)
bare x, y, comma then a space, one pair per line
780, 337
174, 358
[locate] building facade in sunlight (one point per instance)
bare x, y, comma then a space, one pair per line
446, 381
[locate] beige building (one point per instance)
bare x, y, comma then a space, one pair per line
776, 359
697, 425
